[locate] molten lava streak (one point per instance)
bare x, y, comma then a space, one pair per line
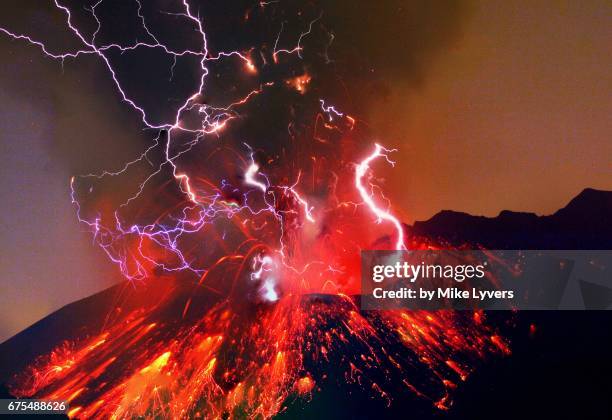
242, 262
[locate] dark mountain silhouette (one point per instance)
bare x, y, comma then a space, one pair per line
585, 223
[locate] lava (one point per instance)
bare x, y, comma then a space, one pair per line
252, 253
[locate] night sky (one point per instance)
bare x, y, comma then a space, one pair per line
493, 105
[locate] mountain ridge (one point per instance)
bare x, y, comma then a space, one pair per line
584, 223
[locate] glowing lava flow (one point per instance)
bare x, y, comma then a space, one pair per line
228, 311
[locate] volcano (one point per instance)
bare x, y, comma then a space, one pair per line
318, 355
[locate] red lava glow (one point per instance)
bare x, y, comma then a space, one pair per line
249, 361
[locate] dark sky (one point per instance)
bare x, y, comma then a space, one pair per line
493, 104
515, 115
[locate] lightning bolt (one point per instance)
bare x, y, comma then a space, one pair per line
360, 172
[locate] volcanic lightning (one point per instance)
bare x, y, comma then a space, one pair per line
231, 254
360, 173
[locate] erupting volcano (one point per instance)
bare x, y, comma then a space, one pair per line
239, 231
